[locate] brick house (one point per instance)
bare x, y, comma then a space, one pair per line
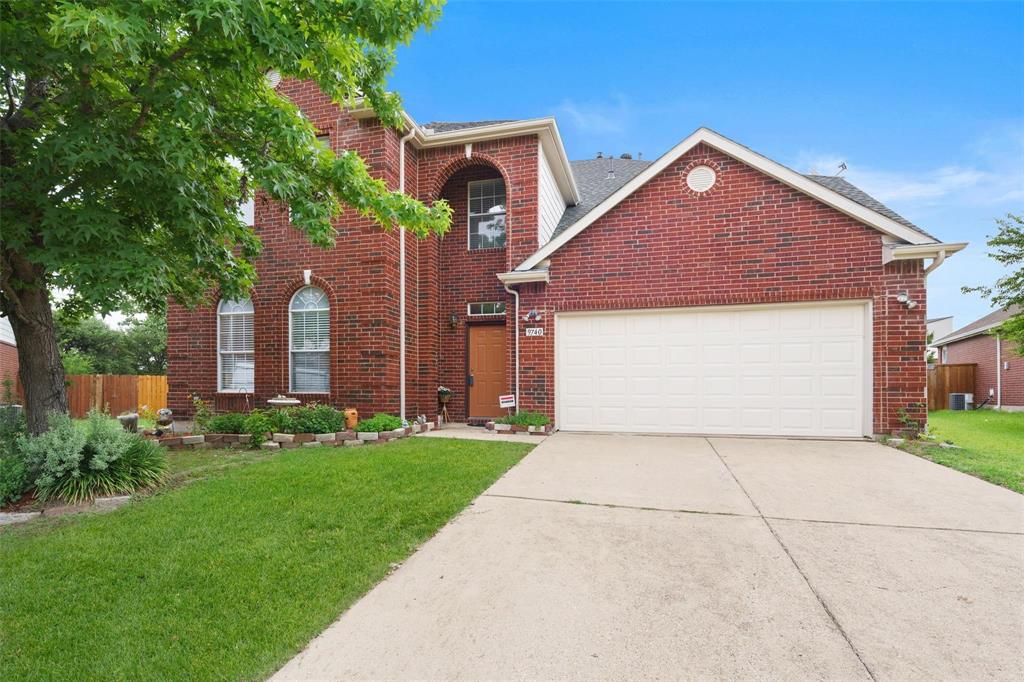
709, 291
999, 375
8, 352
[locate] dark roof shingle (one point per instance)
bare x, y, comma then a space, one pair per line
450, 126
980, 326
854, 193
596, 180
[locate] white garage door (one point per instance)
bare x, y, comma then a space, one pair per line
797, 370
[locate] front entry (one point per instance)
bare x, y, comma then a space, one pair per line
486, 378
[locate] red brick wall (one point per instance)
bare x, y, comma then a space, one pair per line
981, 350
360, 275
8, 362
750, 239
469, 276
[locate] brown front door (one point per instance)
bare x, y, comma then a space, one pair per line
486, 369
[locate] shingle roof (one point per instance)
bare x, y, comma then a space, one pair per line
854, 193
449, 126
980, 326
596, 184
596, 180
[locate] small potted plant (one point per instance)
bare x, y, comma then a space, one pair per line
444, 395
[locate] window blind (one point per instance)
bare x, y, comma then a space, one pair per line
235, 347
310, 342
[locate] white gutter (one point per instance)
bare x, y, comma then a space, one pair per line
515, 327
401, 279
891, 252
999, 373
516, 277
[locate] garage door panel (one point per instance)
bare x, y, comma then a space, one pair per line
782, 370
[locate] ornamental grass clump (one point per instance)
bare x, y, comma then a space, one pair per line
76, 464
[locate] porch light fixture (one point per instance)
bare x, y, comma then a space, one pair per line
453, 321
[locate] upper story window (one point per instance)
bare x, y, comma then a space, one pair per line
487, 214
236, 357
310, 341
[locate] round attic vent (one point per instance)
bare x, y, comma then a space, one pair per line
273, 78
700, 178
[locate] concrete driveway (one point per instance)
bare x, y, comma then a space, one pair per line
643, 557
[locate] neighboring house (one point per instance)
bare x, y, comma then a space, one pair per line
937, 327
999, 375
8, 353
710, 291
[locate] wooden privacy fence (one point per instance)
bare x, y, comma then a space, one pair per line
115, 393
946, 379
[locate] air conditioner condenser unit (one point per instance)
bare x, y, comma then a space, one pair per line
961, 401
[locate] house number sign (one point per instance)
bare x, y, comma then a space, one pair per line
535, 331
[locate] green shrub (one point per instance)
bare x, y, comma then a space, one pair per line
379, 422
101, 459
231, 422
13, 477
524, 419
12, 427
311, 418
257, 424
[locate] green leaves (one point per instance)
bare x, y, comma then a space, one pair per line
1007, 247
120, 121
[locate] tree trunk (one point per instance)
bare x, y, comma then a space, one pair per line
39, 363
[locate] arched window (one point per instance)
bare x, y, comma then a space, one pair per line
310, 341
236, 357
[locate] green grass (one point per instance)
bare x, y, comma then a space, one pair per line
231, 575
991, 445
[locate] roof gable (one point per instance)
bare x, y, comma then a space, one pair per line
901, 230
980, 326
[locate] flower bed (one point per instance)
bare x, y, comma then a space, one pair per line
533, 430
275, 441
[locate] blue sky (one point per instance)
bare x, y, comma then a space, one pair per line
924, 102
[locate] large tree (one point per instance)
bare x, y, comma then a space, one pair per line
137, 346
132, 130
1007, 247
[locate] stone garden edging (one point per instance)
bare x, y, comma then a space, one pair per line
545, 430
288, 441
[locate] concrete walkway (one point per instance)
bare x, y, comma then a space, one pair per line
641, 557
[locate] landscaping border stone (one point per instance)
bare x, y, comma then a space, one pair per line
544, 430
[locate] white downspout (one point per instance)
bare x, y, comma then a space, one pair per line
999, 373
401, 279
515, 327
936, 262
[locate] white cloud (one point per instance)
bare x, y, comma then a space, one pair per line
995, 176
597, 118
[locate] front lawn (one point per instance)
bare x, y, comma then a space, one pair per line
991, 444
229, 576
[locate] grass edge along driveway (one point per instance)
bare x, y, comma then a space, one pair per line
230, 576
990, 445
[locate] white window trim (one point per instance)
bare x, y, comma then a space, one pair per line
291, 388
470, 214
220, 354
470, 313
